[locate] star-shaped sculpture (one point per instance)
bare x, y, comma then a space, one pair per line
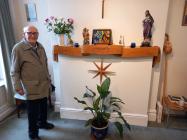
101, 71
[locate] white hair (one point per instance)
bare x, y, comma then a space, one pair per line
26, 28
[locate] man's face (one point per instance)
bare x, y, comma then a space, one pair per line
31, 35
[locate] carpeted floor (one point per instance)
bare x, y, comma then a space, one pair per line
175, 122
65, 129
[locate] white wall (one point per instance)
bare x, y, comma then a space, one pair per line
177, 61
124, 17
133, 89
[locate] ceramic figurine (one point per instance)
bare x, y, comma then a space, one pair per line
147, 29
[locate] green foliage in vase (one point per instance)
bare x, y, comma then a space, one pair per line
59, 25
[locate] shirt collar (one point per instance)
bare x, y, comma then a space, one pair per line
28, 45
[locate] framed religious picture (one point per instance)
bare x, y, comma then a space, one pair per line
102, 36
31, 12
184, 19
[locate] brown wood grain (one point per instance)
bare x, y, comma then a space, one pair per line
173, 105
101, 49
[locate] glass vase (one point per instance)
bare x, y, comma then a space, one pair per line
61, 40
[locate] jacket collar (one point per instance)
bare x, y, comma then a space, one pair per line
28, 45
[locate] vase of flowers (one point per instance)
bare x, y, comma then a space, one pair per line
62, 29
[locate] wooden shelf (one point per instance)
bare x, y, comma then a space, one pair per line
140, 52
67, 50
119, 50
102, 49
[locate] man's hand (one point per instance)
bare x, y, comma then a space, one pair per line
20, 91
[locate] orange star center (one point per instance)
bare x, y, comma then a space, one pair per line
101, 71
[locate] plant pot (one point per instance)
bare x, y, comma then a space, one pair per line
99, 133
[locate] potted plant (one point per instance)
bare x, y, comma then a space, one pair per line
103, 107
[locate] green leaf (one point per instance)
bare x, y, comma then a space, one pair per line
91, 109
126, 123
116, 105
103, 94
119, 127
107, 115
119, 113
86, 95
99, 89
104, 88
88, 108
116, 99
91, 91
105, 85
96, 104
88, 122
80, 101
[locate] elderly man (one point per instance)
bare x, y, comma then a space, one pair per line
30, 77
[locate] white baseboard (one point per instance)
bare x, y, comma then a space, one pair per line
5, 110
79, 114
159, 111
57, 106
137, 119
152, 115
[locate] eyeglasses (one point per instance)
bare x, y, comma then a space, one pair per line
32, 33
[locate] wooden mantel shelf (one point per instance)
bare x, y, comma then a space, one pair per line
102, 49
119, 50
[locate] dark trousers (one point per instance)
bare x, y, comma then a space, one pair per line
37, 115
